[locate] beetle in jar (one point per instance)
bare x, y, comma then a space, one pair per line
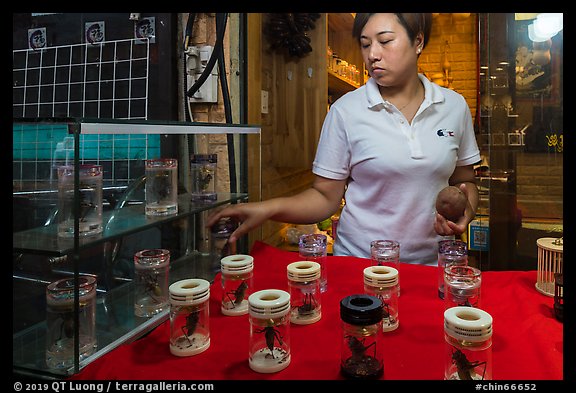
239, 293
465, 368
272, 335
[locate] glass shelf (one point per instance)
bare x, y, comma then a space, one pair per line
117, 223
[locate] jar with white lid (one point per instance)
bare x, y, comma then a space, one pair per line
304, 287
269, 341
382, 282
236, 279
468, 336
189, 317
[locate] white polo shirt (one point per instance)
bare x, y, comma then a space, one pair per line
394, 169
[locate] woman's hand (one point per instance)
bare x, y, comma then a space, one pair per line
247, 215
445, 227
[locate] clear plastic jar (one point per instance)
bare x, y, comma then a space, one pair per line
450, 252
203, 169
382, 282
304, 288
60, 321
386, 253
189, 317
462, 286
151, 268
269, 343
237, 277
468, 336
361, 346
161, 187
90, 191
219, 246
314, 247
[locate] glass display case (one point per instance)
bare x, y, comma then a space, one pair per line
57, 277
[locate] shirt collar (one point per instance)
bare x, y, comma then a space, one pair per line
432, 92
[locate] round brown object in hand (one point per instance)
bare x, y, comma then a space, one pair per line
451, 203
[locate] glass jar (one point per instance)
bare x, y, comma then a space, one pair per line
450, 252
382, 282
269, 342
304, 288
161, 187
189, 317
60, 321
151, 269
468, 337
203, 174
361, 344
386, 253
90, 195
236, 280
314, 247
219, 246
462, 286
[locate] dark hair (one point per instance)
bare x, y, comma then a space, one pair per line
413, 23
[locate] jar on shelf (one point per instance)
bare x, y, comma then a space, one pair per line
189, 317
161, 190
237, 283
382, 282
468, 337
269, 341
219, 246
361, 342
304, 288
151, 268
60, 321
203, 169
90, 195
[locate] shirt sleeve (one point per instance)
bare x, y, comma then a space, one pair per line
468, 152
332, 159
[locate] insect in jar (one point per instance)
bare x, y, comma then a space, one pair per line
465, 367
86, 204
205, 177
271, 334
191, 324
239, 294
161, 186
308, 306
66, 327
358, 349
152, 287
386, 313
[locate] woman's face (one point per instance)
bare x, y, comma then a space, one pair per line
389, 56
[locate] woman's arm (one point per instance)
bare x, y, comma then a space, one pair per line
310, 206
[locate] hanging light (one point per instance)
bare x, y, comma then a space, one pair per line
545, 26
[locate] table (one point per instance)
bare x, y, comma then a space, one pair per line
527, 339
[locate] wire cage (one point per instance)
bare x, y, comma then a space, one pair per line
550, 262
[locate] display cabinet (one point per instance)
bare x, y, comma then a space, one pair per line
42, 257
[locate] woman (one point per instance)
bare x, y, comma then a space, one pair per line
388, 148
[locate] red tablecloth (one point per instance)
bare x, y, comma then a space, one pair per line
527, 339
